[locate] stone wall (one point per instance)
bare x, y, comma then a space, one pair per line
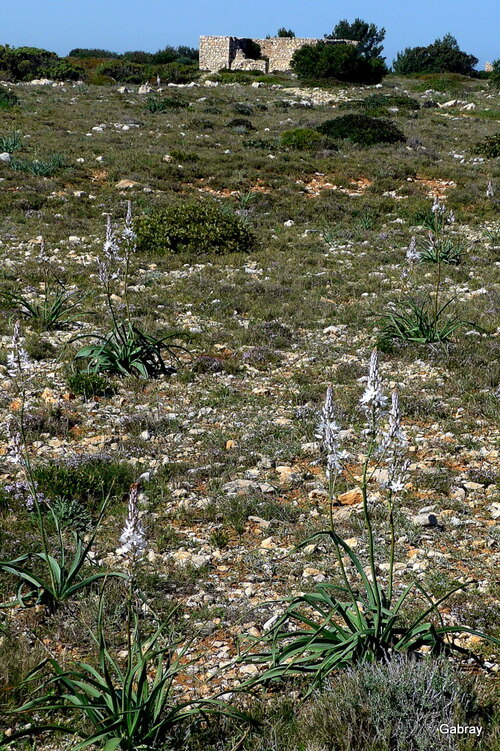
226, 52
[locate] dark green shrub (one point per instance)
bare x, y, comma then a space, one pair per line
138, 56
184, 156
90, 384
243, 109
367, 35
25, 63
83, 53
240, 124
85, 479
362, 129
259, 143
122, 71
494, 76
442, 56
7, 99
39, 348
236, 76
305, 139
341, 62
176, 72
490, 147
62, 70
194, 227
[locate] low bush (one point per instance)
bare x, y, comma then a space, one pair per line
305, 139
155, 104
85, 479
25, 63
62, 70
397, 705
7, 99
341, 62
193, 227
83, 53
89, 385
241, 108
379, 104
362, 129
122, 71
240, 125
490, 147
176, 72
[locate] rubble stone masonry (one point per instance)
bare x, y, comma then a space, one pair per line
227, 52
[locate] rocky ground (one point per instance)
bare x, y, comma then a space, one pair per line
235, 477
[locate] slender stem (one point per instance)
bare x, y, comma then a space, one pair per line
32, 484
332, 481
393, 544
369, 528
127, 268
438, 284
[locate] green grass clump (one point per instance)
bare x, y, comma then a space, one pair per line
362, 129
155, 104
490, 147
193, 227
39, 167
7, 99
89, 385
305, 139
12, 142
86, 479
378, 104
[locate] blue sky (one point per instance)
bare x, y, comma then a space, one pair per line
121, 25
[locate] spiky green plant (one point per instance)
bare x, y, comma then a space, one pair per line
128, 707
361, 619
61, 574
420, 322
51, 311
126, 350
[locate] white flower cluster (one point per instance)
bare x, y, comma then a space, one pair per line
394, 446
128, 234
116, 249
390, 446
373, 400
412, 253
439, 210
328, 433
18, 360
133, 538
109, 264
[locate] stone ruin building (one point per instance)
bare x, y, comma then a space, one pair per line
231, 52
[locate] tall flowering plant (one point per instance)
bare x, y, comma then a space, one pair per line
57, 575
364, 617
125, 350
